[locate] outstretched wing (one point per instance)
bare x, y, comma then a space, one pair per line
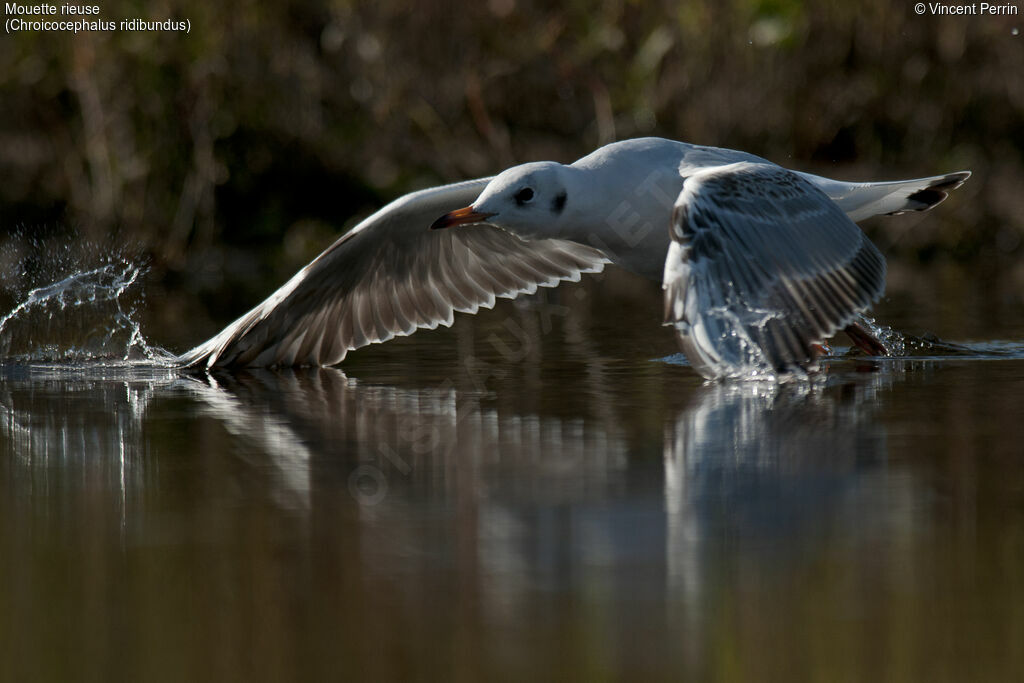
388, 277
762, 266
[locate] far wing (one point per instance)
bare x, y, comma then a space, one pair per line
763, 265
390, 276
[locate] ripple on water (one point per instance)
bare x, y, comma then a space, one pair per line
908, 348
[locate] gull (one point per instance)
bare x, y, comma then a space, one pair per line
742, 245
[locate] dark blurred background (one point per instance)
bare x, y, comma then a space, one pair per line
231, 155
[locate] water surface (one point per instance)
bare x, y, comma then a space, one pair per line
531, 494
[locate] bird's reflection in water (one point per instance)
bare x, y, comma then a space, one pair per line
418, 438
419, 500
62, 421
440, 477
760, 477
371, 440
430, 440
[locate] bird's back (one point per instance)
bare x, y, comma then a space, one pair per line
635, 184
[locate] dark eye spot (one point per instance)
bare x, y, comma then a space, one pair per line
559, 202
524, 195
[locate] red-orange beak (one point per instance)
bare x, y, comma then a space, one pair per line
462, 216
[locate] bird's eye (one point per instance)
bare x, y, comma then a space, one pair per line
524, 196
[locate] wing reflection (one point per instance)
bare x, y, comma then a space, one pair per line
737, 430
416, 438
755, 466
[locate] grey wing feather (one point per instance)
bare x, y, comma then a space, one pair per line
388, 277
763, 265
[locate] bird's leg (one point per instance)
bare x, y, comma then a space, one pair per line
865, 341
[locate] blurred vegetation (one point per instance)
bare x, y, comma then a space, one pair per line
236, 152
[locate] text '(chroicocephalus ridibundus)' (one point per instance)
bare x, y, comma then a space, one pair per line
757, 252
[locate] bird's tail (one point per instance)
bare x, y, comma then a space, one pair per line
863, 200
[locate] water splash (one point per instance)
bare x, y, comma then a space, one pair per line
903, 345
896, 342
87, 316
905, 351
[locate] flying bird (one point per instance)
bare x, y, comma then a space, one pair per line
760, 264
